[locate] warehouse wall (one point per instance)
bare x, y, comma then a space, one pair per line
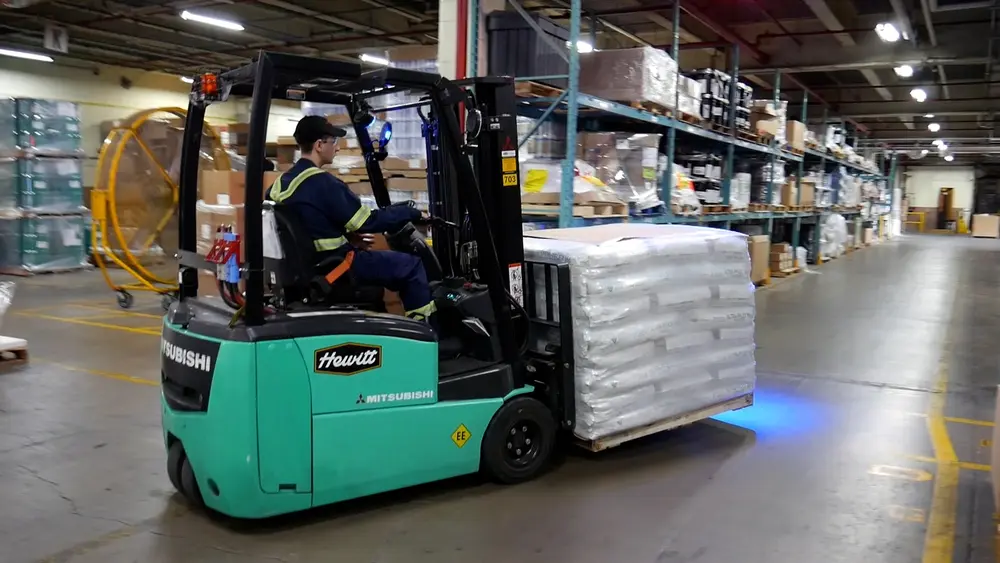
923, 185
102, 97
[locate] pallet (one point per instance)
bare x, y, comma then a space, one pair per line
789, 148
13, 352
813, 146
715, 209
748, 136
689, 119
765, 138
784, 273
619, 438
757, 207
799, 208
536, 90
778, 208
764, 282
651, 107
595, 209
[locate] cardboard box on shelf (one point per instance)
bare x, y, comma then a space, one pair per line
795, 134
227, 187
406, 184
396, 163
760, 249
807, 193
789, 193
986, 226
764, 124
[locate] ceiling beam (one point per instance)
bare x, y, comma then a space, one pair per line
308, 13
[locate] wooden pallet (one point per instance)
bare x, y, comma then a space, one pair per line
800, 208
689, 119
784, 273
845, 208
595, 209
535, 90
789, 148
13, 352
623, 436
764, 282
757, 207
651, 107
813, 146
778, 208
715, 209
748, 136
765, 138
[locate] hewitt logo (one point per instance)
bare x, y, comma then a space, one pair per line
347, 359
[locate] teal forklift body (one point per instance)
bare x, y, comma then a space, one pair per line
285, 425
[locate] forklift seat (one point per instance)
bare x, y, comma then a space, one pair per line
303, 274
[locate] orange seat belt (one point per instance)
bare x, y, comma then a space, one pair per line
341, 268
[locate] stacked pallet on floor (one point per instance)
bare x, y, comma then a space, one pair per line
42, 217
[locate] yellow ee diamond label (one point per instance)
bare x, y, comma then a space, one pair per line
461, 435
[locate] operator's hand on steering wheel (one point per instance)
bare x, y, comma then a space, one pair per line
361, 241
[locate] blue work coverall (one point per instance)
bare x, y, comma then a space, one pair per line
330, 211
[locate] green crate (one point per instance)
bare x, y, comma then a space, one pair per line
48, 127
43, 243
44, 185
8, 126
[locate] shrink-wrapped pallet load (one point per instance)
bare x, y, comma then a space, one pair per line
663, 320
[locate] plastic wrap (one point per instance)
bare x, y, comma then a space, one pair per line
643, 74
44, 185
739, 191
663, 320
764, 175
833, 235
683, 199
42, 243
33, 126
6, 298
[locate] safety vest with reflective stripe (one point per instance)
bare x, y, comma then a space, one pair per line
279, 195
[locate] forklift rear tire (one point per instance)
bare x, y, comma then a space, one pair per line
519, 441
190, 485
175, 455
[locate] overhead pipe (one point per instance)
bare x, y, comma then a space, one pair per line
764, 11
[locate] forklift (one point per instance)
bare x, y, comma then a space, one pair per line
299, 390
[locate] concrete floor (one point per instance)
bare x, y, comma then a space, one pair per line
866, 444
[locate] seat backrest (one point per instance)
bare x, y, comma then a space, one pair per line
299, 261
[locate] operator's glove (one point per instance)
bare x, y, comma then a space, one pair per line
411, 206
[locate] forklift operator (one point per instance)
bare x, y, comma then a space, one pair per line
335, 218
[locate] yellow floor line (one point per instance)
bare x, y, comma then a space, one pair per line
149, 331
116, 311
99, 373
961, 464
956, 419
939, 540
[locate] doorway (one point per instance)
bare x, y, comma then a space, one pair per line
946, 208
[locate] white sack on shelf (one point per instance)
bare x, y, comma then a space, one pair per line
663, 319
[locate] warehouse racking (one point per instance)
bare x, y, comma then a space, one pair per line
581, 111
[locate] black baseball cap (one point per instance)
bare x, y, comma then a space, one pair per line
312, 128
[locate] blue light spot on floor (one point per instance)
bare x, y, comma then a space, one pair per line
778, 414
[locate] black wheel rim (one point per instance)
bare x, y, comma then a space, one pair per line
522, 443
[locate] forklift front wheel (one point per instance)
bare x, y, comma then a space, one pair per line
124, 299
175, 455
519, 441
189, 485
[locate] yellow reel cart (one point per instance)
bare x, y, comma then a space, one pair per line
134, 201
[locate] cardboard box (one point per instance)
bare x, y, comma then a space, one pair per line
807, 193
789, 193
760, 248
781, 248
406, 184
396, 163
795, 134
764, 124
868, 236
986, 226
227, 187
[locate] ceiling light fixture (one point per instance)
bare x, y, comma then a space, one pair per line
583, 46
25, 55
904, 71
923, 152
208, 20
374, 60
929, 116
887, 32
918, 94
942, 146
949, 158
936, 142
934, 127
187, 80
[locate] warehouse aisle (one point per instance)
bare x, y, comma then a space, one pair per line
865, 444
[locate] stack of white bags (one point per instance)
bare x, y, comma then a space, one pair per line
663, 319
